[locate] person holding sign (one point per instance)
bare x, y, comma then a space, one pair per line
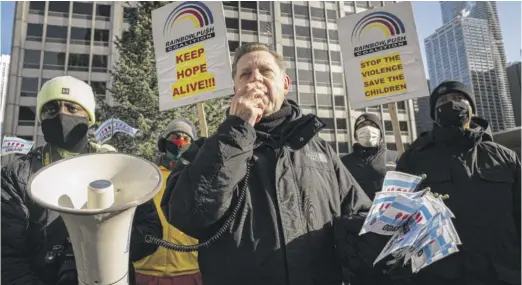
482, 179
35, 246
165, 266
293, 185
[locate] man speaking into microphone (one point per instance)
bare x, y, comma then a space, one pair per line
296, 185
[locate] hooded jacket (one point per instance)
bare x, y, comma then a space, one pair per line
283, 232
368, 165
30, 233
482, 179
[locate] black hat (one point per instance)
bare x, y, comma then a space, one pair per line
447, 87
368, 117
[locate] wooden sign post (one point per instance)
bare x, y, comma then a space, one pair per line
392, 108
203, 128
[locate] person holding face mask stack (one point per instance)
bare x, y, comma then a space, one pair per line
482, 179
165, 266
35, 246
367, 162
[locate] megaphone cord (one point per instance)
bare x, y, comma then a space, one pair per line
226, 225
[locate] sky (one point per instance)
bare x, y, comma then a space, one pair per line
427, 19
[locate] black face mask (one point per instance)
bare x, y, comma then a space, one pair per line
65, 131
452, 114
174, 151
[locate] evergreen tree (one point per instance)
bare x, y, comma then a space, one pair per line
135, 89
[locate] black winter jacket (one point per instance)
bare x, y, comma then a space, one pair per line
368, 167
482, 179
30, 232
283, 233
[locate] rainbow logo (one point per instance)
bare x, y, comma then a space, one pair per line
388, 23
195, 11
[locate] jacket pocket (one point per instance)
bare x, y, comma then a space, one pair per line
496, 175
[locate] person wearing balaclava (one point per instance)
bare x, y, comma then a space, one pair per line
482, 179
165, 266
35, 247
367, 162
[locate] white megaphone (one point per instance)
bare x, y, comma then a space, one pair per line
97, 196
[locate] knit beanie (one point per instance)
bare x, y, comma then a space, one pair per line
448, 87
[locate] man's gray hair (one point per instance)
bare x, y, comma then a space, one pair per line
251, 47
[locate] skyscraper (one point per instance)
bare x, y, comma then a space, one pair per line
4, 71
76, 38
422, 112
469, 49
513, 73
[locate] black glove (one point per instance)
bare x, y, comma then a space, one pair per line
67, 274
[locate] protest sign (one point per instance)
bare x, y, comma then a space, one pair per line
381, 56
112, 126
16, 145
192, 55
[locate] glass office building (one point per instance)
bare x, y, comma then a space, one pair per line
75, 38
469, 48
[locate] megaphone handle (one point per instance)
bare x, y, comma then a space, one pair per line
226, 225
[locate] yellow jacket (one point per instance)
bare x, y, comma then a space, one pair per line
166, 263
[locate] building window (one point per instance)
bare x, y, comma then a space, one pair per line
56, 34
34, 32
29, 87
332, 145
99, 88
323, 77
37, 7
304, 54
301, 11
54, 60
26, 116
288, 52
101, 37
329, 123
319, 33
388, 127
265, 6
78, 62
59, 8
82, 10
99, 63
339, 101
291, 73
361, 4
401, 106
343, 147
302, 32
252, 5
103, 12
233, 45
333, 35
231, 4
341, 124
286, 9
306, 76
335, 56
338, 79
375, 3
81, 36
403, 126
287, 30
331, 14
306, 98
391, 146
232, 23
32, 59
317, 12
249, 25
320, 55
27, 138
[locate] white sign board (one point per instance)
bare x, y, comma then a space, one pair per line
381, 56
192, 56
